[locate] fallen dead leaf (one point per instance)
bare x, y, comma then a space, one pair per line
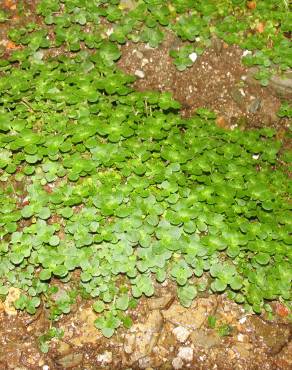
260, 27
251, 5
281, 310
11, 45
221, 122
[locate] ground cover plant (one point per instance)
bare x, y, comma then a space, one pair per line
99, 179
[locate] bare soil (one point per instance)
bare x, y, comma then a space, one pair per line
217, 80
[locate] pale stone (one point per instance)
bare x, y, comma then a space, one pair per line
177, 363
139, 73
192, 317
105, 358
129, 343
159, 303
193, 57
146, 336
12, 296
246, 52
205, 339
186, 353
181, 333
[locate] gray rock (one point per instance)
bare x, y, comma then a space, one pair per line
254, 105
282, 84
217, 45
238, 97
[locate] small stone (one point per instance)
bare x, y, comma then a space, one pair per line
144, 362
70, 361
144, 62
46, 367
12, 296
105, 358
177, 363
254, 106
181, 333
129, 343
159, 303
205, 339
109, 31
237, 97
240, 337
139, 54
146, 336
139, 73
186, 353
63, 348
193, 57
191, 318
246, 52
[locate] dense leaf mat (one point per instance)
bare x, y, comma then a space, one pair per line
111, 183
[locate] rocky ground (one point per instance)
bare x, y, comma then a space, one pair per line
164, 335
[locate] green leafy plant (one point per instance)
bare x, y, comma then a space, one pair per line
285, 110
183, 57
44, 339
114, 183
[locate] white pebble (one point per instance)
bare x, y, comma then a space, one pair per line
186, 353
242, 92
109, 31
105, 358
177, 363
139, 73
246, 52
144, 62
240, 337
181, 333
193, 57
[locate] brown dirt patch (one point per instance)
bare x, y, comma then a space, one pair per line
217, 80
